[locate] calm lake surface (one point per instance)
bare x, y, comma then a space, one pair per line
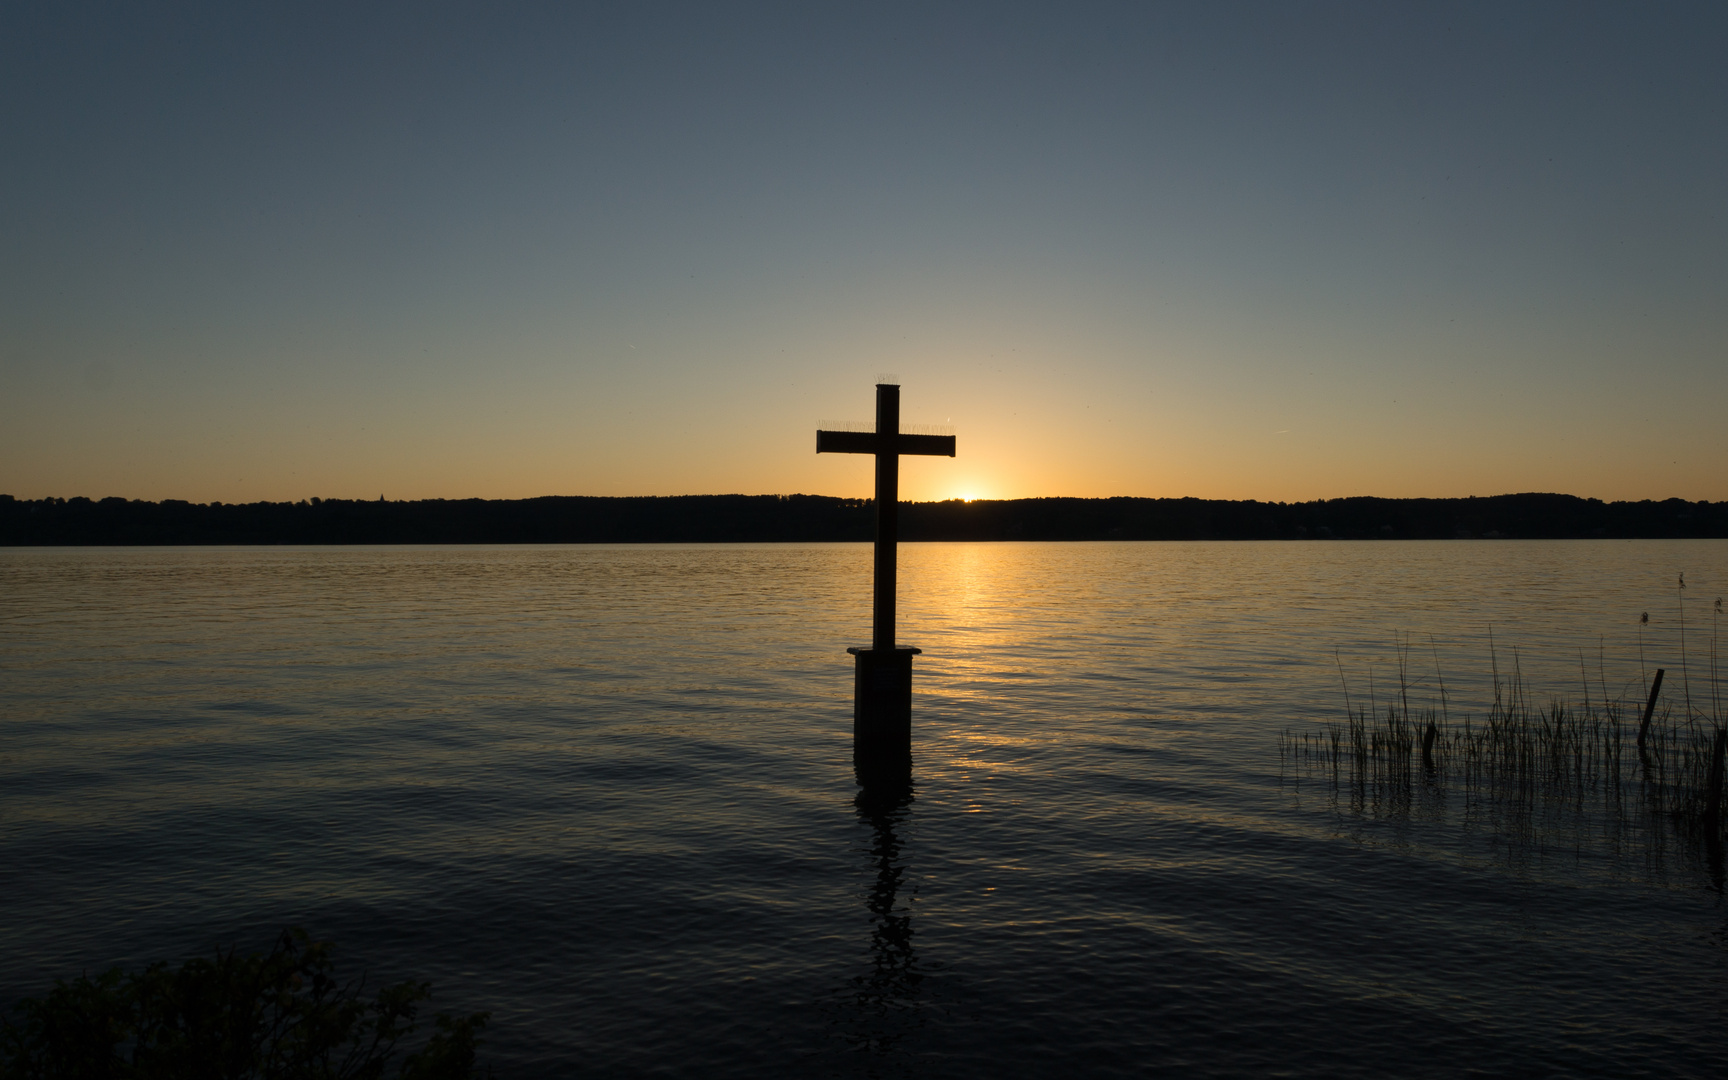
606, 793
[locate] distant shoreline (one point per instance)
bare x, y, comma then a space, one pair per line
807, 518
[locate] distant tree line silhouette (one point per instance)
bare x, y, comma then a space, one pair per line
779, 518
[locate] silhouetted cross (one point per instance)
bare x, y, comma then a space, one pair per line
887, 443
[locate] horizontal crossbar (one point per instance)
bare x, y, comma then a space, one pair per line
868, 442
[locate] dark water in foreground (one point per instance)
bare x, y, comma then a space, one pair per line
606, 793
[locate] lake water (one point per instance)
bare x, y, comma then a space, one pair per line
606, 793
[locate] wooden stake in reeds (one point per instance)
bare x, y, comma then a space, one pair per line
1649, 707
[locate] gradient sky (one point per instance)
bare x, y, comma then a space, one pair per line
1275, 251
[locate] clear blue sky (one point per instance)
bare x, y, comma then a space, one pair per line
1277, 251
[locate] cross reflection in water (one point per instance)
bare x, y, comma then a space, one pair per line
881, 1006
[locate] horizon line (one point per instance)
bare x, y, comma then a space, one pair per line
316, 500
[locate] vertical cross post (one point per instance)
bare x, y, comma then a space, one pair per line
882, 688
887, 519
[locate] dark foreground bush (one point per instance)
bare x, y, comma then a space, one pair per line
276, 1016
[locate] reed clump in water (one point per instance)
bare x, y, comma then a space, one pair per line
1541, 767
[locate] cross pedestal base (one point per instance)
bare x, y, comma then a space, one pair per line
882, 712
